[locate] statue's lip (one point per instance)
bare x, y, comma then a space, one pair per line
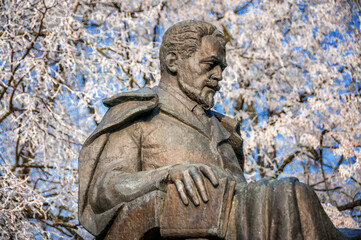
213, 84
214, 88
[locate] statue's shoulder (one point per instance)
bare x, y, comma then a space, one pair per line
141, 95
229, 123
124, 108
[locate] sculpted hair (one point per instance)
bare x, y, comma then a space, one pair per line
183, 39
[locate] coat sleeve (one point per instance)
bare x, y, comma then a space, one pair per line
118, 184
109, 162
118, 177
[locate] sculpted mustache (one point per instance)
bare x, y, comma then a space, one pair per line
212, 84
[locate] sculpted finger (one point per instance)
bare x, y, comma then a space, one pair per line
180, 188
208, 172
198, 180
188, 184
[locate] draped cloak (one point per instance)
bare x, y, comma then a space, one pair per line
124, 165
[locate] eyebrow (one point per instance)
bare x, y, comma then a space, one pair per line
214, 58
210, 58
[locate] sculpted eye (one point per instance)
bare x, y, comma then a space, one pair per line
208, 65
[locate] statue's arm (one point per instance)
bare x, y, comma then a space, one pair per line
118, 177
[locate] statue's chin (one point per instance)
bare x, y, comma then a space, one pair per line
203, 97
207, 98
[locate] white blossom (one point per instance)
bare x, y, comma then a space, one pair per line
293, 81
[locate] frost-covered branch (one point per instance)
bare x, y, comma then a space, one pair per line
293, 80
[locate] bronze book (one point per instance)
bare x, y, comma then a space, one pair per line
206, 220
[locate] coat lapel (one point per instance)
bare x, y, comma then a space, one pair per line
219, 133
174, 107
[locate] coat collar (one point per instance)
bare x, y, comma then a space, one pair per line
181, 109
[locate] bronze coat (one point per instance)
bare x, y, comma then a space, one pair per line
126, 159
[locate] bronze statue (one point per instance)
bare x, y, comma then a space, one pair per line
161, 164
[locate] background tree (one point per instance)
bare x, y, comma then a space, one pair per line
293, 81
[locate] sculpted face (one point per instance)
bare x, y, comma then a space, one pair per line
199, 75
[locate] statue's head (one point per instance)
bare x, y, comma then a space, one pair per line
193, 52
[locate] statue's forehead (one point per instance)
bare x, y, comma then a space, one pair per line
211, 46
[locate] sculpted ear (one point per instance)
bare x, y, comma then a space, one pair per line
171, 62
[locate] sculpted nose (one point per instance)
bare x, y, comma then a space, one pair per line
217, 73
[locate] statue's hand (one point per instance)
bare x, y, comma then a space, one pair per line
189, 179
